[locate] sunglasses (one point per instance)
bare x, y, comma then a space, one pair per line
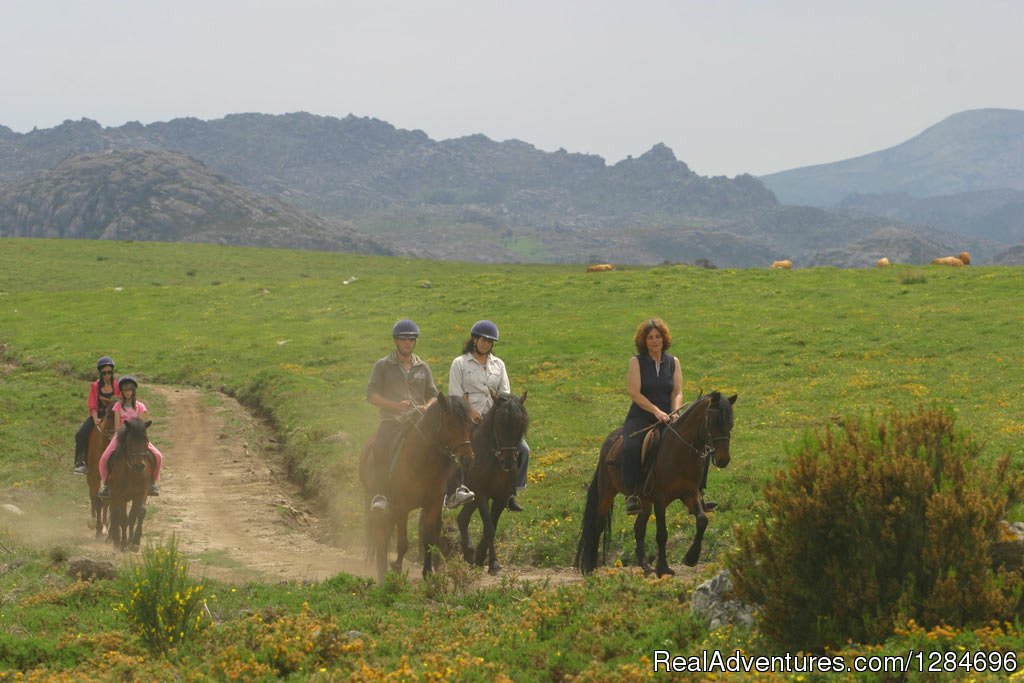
107, 372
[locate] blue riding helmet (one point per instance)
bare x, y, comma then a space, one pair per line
485, 329
405, 329
125, 380
104, 360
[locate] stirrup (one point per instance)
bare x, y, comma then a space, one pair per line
80, 468
105, 491
513, 505
380, 504
460, 496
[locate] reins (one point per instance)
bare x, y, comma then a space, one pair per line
704, 434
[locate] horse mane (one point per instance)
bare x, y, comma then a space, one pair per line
717, 402
506, 414
457, 406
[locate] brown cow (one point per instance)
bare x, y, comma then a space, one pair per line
965, 257
600, 267
785, 265
882, 262
948, 261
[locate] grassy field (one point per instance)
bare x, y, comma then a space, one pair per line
282, 332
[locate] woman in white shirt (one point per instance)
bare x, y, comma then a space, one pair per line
478, 375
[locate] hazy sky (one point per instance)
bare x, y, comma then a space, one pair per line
730, 86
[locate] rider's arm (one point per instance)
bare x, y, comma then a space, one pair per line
677, 388
388, 404
94, 401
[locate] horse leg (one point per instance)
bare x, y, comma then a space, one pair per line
640, 534
465, 515
697, 510
486, 530
401, 543
497, 507
136, 525
430, 535
661, 566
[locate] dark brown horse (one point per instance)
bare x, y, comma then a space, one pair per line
130, 471
426, 454
99, 438
702, 431
492, 478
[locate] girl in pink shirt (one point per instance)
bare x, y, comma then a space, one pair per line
128, 408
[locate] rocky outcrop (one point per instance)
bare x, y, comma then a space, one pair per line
156, 195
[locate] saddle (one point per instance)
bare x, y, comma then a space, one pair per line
648, 456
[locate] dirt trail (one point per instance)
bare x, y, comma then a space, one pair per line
226, 497
231, 504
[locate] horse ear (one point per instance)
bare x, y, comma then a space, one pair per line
148, 423
732, 399
442, 401
522, 399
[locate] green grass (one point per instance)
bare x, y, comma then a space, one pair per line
282, 334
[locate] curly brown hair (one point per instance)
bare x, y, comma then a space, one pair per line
640, 338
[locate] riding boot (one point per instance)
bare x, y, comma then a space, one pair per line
632, 504
513, 505
708, 505
80, 467
105, 491
154, 489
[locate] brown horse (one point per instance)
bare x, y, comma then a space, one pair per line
130, 474
496, 442
99, 438
427, 453
702, 431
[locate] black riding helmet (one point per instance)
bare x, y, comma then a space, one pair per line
105, 360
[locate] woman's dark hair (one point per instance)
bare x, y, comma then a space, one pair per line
644, 328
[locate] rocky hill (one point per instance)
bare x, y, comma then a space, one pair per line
469, 198
971, 151
158, 195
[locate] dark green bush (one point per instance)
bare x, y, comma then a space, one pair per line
876, 523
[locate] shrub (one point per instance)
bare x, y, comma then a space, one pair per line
164, 603
872, 526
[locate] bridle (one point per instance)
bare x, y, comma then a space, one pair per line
703, 436
448, 450
508, 462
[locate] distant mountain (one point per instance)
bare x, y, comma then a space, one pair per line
968, 152
469, 198
157, 195
1014, 256
899, 245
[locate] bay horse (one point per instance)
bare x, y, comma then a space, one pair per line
130, 473
99, 438
427, 453
679, 469
492, 477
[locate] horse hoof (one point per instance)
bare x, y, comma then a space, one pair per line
665, 571
494, 569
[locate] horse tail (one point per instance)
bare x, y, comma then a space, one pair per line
590, 536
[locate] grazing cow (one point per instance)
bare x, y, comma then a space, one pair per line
600, 267
948, 261
882, 262
965, 257
784, 265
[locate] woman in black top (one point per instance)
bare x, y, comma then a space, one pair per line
656, 387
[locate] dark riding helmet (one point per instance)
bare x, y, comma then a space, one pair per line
485, 329
125, 380
104, 360
405, 329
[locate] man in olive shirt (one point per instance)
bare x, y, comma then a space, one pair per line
401, 384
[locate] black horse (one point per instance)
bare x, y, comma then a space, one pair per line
701, 432
492, 478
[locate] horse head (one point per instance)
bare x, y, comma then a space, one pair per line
453, 430
135, 442
717, 429
504, 427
